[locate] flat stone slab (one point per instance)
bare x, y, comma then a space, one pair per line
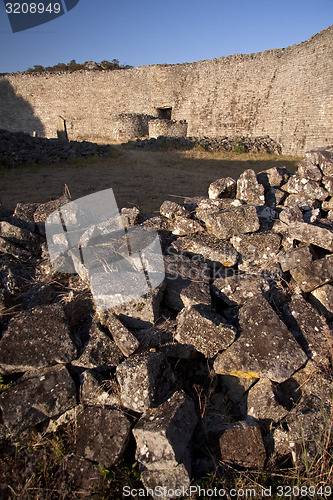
256, 249
145, 380
306, 187
237, 290
210, 248
207, 206
35, 398
35, 339
102, 435
162, 434
222, 188
309, 328
187, 282
232, 222
309, 233
204, 329
262, 402
324, 294
171, 210
100, 352
308, 170
249, 190
295, 257
124, 339
183, 226
307, 278
241, 444
172, 479
265, 348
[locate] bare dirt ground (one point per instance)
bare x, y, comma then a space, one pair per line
143, 178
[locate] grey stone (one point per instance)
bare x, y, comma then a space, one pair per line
171, 210
24, 215
7, 247
207, 206
145, 380
306, 187
96, 391
241, 444
307, 278
46, 209
324, 294
124, 339
15, 276
249, 190
102, 435
262, 402
236, 387
258, 249
81, 475
20, 237
163, 434
130, 216
322, 158
232, 222
265, 348
328, 184
295, 257
172, 479
309, 233
274, 197
35, 398
312, 216
209, 247
205, 330
272, 177
183, 226
308, 170
309, 328
35, 339
291, 214
302, 201
222, 188
327, 205
187, 282
100, 352
237, 290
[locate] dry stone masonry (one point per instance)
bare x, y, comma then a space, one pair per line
284, 93
229, 363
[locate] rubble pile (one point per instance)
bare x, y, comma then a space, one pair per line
229, 363
18, 147
212, 144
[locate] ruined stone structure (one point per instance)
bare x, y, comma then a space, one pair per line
284, 93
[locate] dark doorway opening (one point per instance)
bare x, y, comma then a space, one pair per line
164, 113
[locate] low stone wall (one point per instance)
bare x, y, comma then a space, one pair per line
129, 126
167, 128
227, 361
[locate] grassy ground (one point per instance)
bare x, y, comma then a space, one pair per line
145, 178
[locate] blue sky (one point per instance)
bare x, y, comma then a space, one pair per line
162, 31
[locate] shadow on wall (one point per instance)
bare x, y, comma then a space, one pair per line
16, 114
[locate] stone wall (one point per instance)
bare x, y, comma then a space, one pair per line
167, 128
283, 93
129, 126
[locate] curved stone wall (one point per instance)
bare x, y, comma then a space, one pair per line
284, 93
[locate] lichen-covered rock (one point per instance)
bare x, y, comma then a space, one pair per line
323, 158
130, 216
262, 402
94, 390
258, 249
171, 210
309, 328
35, 339
207, 206
102, 435
291, 214
205, 330
265, 348
162, 434
308, 170
241, 444
100, 352
232, 222
302, 201
249, 190
172, 479
305, 187
124, 339
328, 184
309, 233
145, 380
222, 188
272, 177
324, 294
307, 278
327, 205
38, 397
295, 257
183, 226
21, 237
209, 247
237, 290
23, 215
187, 282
